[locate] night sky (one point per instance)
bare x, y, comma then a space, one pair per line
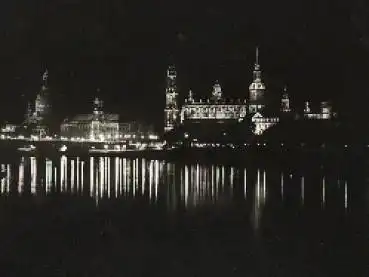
319, 48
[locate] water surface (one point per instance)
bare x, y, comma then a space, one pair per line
111, 216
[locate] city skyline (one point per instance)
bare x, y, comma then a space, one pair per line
124, 50
230, 94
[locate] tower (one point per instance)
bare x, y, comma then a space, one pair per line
326, 110
190, 98
98, 108
216, 94
171, 110
42, 103
45, 78
285, 102
256, 88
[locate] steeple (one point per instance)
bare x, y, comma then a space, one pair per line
257, 70
190, 96
45, 78
285, 102
256, 88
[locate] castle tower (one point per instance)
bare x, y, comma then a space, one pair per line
190, 98
171, 111
256, 88
97, 108
45, 78
326, 110
216, 94
285, 102
42, 103
307, 108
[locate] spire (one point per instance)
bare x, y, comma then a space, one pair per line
257, 71
45, 78
190, 96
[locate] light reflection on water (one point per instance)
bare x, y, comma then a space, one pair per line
177, 185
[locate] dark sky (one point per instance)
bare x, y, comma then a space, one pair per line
319, 48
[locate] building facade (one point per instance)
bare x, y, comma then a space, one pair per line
216, 109
98, 126
38, 113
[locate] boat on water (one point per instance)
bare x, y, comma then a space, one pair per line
28, 148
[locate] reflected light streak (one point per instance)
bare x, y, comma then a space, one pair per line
136, 175
217, 178
124, 172
143, 175
264, 184
223, 177
8, 178
196, 196
120, 176
21, 176
33, 175
48, 175
151, 177
55, 176
231, 179
245, 182
116, 171
186, 185
258, 203
109, 178
282, 185
102, 177
134, 178
72, 175
78, 173
82, 175
62, 172
346, 198
302, 189
212, 183
91, 176
323, 191
2, 179
156, 178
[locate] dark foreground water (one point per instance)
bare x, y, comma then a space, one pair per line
137, 217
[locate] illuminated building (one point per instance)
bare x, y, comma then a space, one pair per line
256, 89
285, 102
37, 115
171, 110
216, 111
215, 108
95, 126
324, 113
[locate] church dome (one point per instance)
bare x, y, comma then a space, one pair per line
258, 85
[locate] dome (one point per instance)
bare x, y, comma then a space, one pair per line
257, 85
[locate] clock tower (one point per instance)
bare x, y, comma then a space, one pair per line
256, 89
